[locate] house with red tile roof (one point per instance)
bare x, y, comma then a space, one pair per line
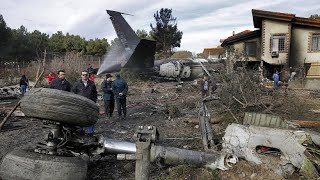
281, 40
213, 53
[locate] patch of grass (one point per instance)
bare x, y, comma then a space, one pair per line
129, 76
186, 172
133, 77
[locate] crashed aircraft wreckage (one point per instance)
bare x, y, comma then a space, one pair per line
60, 154
65, 143
295, 148
263, 137
9, 92
137, 55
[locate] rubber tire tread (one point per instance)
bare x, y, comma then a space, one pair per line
62, 106
23, 164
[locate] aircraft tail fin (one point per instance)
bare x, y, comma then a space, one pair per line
138, 53
125, 33
143, 55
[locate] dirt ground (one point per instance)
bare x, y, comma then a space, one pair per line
147, 105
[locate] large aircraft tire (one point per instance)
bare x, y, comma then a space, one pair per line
23, 164
62, 106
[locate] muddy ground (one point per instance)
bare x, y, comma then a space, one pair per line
148, 104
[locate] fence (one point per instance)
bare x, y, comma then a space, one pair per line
71, 62
17, 68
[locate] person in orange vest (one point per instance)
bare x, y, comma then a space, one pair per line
50, 77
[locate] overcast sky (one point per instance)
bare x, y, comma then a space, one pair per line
203, 22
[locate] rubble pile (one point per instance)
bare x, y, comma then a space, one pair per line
9, 92
266, 144
315, 93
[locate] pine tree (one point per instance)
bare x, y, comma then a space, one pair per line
166, 32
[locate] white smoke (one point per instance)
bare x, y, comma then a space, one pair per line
116, 55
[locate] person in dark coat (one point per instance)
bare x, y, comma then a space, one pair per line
24, 82
108, 95
60, 83
86, 88
120, 89
90, 69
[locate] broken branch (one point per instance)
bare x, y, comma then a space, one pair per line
7, 117
229, 110
307, 123
243, 105
244, 98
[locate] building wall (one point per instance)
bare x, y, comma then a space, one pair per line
300, 47
269, 28
240, 47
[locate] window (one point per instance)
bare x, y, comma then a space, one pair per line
251, 48
278, 43
315, 42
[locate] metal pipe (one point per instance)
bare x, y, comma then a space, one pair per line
112, 146
205, 126
172, 156
176, 156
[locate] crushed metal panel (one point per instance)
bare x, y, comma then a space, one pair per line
264, 120
170, 69
242, 141
315, 136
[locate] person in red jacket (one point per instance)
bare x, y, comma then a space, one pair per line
50, 77
91, 77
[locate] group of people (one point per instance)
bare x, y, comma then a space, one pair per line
286, 77
115, 91
112, 91
51, 76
